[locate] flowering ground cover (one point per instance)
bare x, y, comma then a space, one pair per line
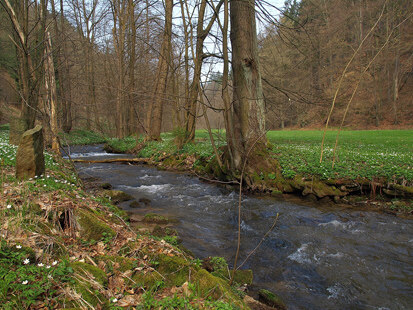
385, 155
379, 154
62, 247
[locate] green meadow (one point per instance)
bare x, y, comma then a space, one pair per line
375, 154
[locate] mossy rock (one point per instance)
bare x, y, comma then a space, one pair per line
91, 227
134, 204
208, 285
243, 276
240, 277
175, 269
125, 263
399, 190
147, 280
145, 201
87, 289
271, 299
155, 218
316, 187
276, 193
106, 186
117, 196
160, 231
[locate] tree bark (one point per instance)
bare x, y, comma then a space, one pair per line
52, 93
160, 92
248, 101
66, 84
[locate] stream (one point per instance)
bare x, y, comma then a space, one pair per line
315, 258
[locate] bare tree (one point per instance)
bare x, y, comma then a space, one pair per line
160, 91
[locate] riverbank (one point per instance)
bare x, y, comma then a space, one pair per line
63, 247
378, 176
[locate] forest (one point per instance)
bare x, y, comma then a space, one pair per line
206, 154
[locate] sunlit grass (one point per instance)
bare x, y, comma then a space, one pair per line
81, 137
377, 154
360, 154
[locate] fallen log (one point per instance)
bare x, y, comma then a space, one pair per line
112, 160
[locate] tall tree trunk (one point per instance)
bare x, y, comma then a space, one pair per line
228, 111
186, 26
248, 101
160, 92
396, 86
119, 29
132, 58
65, 82
50, 83
201, 34
29, 76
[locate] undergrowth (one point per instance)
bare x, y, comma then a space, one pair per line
60, 247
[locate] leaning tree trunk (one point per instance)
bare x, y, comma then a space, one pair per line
248, 103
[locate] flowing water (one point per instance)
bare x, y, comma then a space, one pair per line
315, 258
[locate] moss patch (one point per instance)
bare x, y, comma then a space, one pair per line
240, 276
155, 218
91, 227
271, 299
174, 269
147, 280
208, 285
119, 262
86, 284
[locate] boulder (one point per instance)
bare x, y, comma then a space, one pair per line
106, 186
134, 204
153, 218
255, 304
145, 201
117, 196
30, 158
271, 299
159, 231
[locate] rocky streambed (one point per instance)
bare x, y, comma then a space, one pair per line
317, 257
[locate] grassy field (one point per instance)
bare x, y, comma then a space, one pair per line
370, 154
379, 154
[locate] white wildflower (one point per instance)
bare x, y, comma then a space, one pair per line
26, 261
25, 282
18, 246
114, 300
55, 263
8, 206
40, 265
48, 267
